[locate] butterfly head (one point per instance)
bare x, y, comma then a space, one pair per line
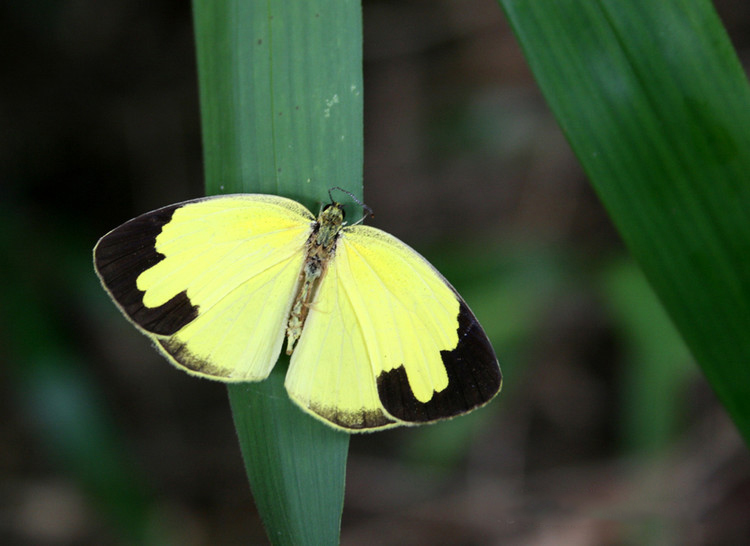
335, 204
332, 215
330, 222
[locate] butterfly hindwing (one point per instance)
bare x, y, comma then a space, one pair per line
211, 280
330, 374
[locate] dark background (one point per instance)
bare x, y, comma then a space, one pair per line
605, 433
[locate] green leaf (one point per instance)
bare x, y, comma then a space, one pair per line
656, 106
281, 106
281, 96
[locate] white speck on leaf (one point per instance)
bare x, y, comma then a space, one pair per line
329, 103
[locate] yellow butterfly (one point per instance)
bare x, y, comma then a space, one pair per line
377, 337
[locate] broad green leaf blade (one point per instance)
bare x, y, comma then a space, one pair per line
655, 104
295, 464
281, 96
281, 104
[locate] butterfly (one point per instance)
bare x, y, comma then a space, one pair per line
377, 337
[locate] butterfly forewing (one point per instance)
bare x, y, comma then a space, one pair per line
420, 352
210, 280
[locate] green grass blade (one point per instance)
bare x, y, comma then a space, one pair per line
281, 105
657, 108
295, 464
281, 96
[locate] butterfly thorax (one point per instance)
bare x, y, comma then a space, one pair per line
320, 247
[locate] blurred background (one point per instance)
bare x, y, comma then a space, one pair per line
605, 433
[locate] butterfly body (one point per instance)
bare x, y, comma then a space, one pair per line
377, 337
320, 247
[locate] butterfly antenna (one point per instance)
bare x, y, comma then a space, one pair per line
354, 198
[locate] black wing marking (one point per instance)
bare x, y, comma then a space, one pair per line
474, 378
126, 252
